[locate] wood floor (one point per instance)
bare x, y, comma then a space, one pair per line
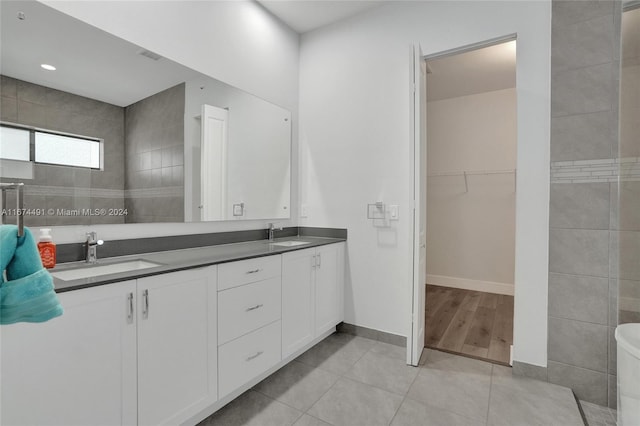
469, 322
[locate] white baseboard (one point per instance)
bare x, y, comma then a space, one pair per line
467, 284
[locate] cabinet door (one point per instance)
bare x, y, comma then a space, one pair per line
327, 298
297, 300
177, 348
77, 369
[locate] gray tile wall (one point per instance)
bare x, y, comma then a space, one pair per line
154, 169
61, 187
583, 206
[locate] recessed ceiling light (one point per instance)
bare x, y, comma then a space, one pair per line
48, 67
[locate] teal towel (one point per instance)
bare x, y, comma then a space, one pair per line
28, 294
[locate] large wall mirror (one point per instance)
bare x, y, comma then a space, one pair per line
118, 134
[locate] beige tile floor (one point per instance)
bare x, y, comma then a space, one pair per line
352, 381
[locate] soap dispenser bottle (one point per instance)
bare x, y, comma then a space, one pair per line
47, 248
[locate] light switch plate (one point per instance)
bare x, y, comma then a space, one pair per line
393, 212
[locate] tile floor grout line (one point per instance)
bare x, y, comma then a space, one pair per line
404, 398
277, 400
486, 420
353, 379
427, 357
343, 376
318, 400
382, 354
298, 418
378, 387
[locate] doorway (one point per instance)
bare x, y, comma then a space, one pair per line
471, 193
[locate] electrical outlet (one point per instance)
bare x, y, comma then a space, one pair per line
304, 210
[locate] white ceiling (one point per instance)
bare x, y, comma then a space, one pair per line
89, 62
307, 15
477, 71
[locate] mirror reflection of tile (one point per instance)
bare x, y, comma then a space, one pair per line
151, 147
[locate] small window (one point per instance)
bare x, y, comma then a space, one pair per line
67, 150
14, 143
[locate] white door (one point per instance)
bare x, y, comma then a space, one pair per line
177, 348
420, 204
213, 162
327, 284
298, 275
77, 369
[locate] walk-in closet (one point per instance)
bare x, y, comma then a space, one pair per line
471, 199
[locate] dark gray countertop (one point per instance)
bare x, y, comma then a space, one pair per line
177, 260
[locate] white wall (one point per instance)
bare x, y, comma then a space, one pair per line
237, 42
258, 153
355, 148
471, 229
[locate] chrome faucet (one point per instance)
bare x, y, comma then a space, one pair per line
92, 246
273, 228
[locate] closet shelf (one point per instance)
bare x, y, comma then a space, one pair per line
465, 173
473, 172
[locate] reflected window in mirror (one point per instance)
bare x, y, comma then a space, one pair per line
46, 147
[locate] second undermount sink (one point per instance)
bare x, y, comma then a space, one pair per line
98, 270
290, 243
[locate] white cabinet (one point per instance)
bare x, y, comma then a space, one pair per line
126, 353
329, 285
298, 273
248, 356
249, 312
248, 307
233, 274
312, 288
168, 348
177, 349
77, 369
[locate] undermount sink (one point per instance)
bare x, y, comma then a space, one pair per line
98, 270
289, 243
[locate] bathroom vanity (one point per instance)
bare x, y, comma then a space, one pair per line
173, 343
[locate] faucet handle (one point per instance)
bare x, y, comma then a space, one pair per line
92, 238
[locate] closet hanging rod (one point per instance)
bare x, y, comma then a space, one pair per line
19, 188
474, 172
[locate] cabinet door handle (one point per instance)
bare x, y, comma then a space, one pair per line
253, 271
145, 306
254, 356
130, 308
253, 308
319, 260
314, 262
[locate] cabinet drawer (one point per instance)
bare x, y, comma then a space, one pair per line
248, 356
247, 308
248, 271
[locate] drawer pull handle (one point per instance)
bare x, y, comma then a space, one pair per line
253, 308
253, 271
254, 356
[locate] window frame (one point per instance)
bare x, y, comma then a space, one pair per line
32, 144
